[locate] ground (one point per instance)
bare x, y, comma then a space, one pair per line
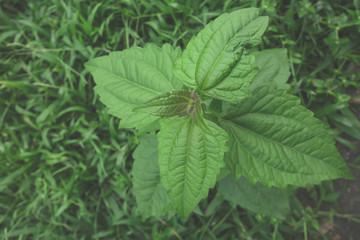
349, 202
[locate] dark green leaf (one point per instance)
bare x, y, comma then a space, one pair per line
151, 196
127, 79
276, 141
273, 202
273, 68
217, 61
190, 157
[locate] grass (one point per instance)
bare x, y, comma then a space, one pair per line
65, 168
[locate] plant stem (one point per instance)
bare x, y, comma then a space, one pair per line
305, 231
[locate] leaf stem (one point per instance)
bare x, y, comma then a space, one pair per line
222, 220
172, 230
275, 231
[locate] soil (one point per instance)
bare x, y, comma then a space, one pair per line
349, 201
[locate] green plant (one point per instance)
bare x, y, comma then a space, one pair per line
220, 106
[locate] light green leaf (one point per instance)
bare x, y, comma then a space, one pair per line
272, 202
150, 195
273, 68
169, 104
190, 157
125, 80
276, 141
217, 61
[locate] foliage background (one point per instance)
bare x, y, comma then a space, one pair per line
65, 167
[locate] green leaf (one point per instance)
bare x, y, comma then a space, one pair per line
169, 104
190, 157
125, 80
276, 141
217, 61
272, 202
150, 195
273, 68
